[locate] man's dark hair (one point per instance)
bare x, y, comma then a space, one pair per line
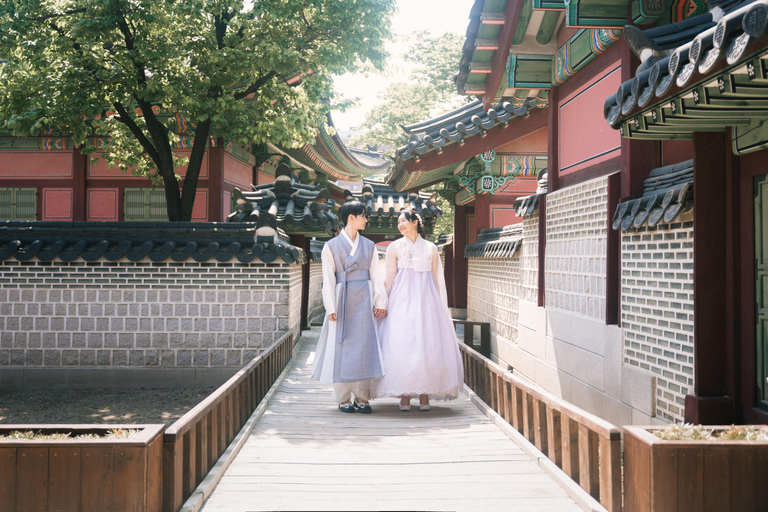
351, 208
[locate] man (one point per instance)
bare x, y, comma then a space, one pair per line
348, 351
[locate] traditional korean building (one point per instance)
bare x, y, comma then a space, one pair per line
593, 295
47, 178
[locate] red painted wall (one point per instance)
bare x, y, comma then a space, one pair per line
100, 169
57, 204
585, 138
533, 143
237, 173
103, 204
35, 164
675, 151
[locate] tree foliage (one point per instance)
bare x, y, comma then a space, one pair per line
429, 92
98, 67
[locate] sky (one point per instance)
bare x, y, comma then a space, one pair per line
435, 16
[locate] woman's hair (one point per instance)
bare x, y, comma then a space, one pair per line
353, 207
411, 215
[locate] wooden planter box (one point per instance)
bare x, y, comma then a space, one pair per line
97, 475
681, 476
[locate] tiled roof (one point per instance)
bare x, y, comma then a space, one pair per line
496, 242
459, 124
678, 56
667, 192
384, 205
384, 201
158, 241
525, 206
316, 250
286, 204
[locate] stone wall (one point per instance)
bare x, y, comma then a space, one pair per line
315, 309
142, 315
657, 309
575, 266
493, 291
529, 259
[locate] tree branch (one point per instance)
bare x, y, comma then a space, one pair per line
256, 85
126, 119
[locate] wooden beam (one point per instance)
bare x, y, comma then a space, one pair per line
507, 33
479, 67
492, 18
490, 45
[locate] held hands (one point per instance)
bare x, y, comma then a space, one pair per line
377, 313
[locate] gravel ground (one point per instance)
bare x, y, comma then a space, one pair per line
98, 406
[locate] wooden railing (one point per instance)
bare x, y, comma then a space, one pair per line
193, 444
585, 447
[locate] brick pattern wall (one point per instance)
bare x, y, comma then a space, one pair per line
657, 310
529, 259
576, 248
315, 309
293, 322
493, 291
143, 314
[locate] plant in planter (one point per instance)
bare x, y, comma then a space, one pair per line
690, 467
81, 467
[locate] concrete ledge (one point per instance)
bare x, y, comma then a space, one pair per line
638, 390
571, 488
203, 491
18, 379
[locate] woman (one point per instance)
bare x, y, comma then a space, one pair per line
418, 342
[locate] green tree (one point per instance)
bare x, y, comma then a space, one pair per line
98, 67
429, 92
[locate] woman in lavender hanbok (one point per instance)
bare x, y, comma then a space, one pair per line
418, 341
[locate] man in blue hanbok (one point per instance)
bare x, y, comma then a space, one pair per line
348, 350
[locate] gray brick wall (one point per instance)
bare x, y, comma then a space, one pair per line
315, 309
529, 259
493, 291
575, 264
143, 314
657, 310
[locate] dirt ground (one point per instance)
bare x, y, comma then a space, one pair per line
98, 406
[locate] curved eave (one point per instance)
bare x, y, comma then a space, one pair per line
335, 150
416, 171
702, 85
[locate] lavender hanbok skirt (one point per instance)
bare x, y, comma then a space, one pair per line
418, 341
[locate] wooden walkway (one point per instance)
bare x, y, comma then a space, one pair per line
303, 454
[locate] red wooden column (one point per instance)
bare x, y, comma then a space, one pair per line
483, 211
79, 192
459, 262
216, 181
709, 404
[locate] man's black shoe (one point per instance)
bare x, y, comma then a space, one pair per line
348, 407
364, 408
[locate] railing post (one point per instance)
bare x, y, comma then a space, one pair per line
554, 438
189, 458
570, 434
588, 465
610, 473
173, 487
540, 425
